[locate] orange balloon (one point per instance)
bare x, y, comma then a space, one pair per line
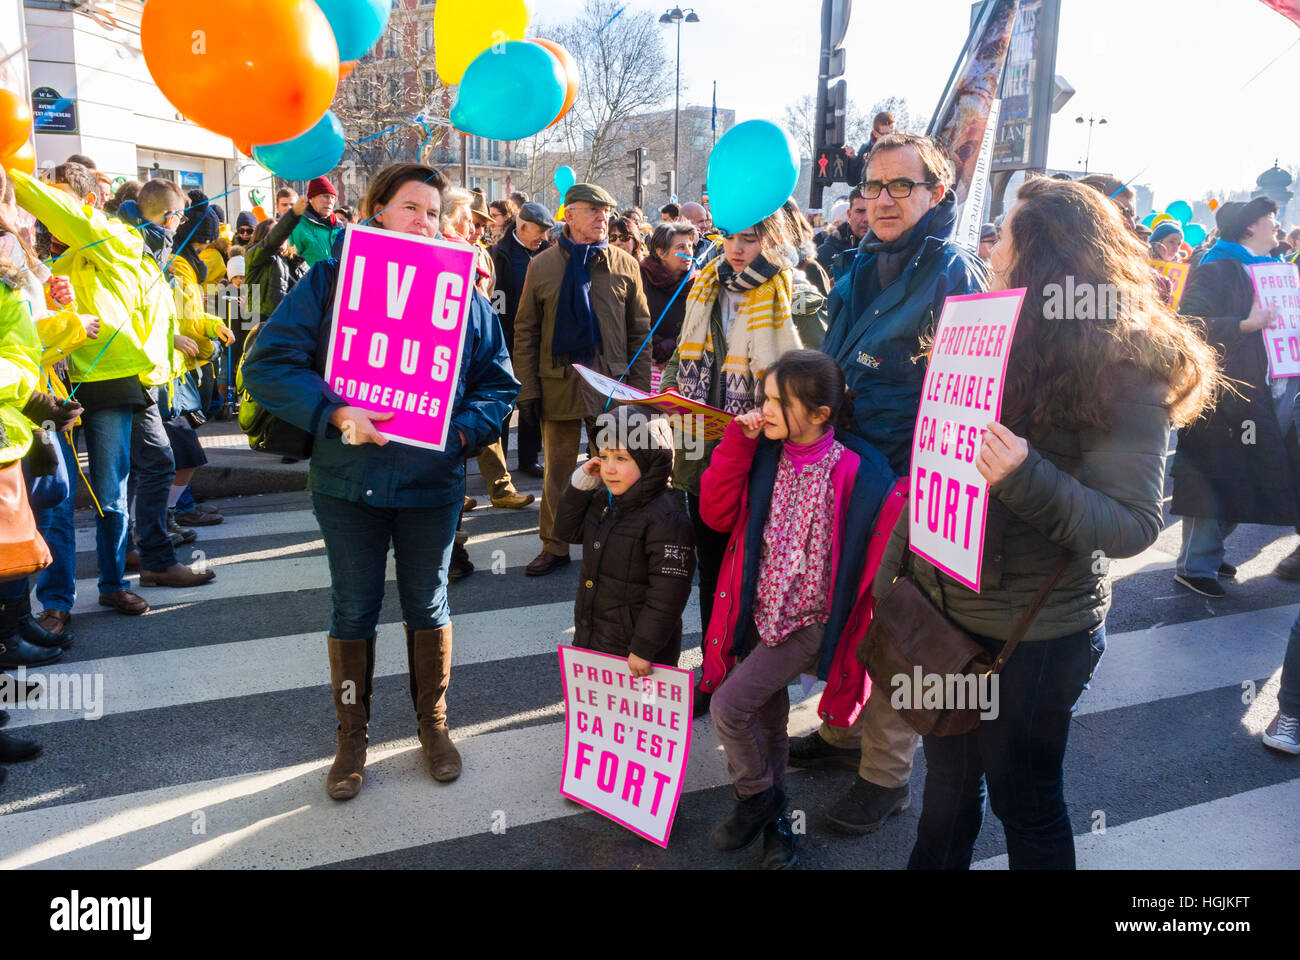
1214, 205
197, 53
24, 159
244, 147
260, 213
15, 122
346, 68
570, 67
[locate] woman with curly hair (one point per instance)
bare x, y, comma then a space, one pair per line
1076, 475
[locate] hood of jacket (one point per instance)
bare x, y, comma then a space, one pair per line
650, 442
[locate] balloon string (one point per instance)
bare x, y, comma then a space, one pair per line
161, 274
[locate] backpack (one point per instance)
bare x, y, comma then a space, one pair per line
266, 432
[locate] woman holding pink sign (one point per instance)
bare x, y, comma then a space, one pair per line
368, 493
1076, 478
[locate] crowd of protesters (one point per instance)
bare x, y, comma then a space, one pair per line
124, 316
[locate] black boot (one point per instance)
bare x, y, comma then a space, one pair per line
813, 751
14, 750
461, 567
779, 849
34, 633
702, 701
747, 820
867, 807
14, 650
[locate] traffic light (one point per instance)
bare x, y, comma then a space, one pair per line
832, 99
638, 165
669, 181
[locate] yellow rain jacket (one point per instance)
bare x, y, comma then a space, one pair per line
20, 372
115, 279
192, 315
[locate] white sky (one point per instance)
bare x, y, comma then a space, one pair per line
1160, 71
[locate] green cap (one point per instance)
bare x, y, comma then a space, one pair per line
589, 193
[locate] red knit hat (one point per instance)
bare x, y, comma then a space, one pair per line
320, 186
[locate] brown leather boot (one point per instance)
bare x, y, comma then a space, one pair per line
352, 674
428, 653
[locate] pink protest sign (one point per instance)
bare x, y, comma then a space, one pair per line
962, 395
1278, 286
400, 309
626, 740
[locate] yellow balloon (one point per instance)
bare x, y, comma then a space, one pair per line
559, 214
1161, 219
463, 29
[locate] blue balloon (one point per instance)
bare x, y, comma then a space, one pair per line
510, 92
1194, 234
752, 172
1181, 211
564, 179
357, 24
308, 155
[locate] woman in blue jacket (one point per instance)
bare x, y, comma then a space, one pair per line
368, 493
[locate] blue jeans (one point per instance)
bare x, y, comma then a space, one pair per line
119, 441
57, 587
1015, 760
1202, 550
1288, 698
357, 537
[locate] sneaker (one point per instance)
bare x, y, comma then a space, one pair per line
747, 820
175, 530
1289, 569
1283, 734
470, 505
867, 807
1205, 586
779, 849
813, 751
1227, 571
200, 518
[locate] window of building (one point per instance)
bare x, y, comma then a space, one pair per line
426, 42
430, 80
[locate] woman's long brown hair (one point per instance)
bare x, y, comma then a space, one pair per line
1069, 372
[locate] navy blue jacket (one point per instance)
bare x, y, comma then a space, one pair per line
280, 374
876, 341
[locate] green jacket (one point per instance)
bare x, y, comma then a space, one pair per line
313, 240
114, 278
20, 372
1099, 494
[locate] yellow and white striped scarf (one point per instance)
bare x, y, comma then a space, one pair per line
761, 331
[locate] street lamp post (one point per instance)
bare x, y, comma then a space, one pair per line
1090, 121
678, 16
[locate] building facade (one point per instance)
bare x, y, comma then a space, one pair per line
92, 94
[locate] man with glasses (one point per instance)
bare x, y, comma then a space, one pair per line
582, 302
889, 298
841, 245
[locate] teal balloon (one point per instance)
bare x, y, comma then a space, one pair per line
1181, 211
1148, 219
752, 172
564, 179
510, 92
1194, 234
308, 155
357, 24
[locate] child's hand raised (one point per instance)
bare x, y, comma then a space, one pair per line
752, 423
639, 667
592, 467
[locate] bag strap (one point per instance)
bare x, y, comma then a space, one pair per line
1027, 620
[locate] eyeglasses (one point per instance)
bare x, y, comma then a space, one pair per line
620, 238
898, 189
